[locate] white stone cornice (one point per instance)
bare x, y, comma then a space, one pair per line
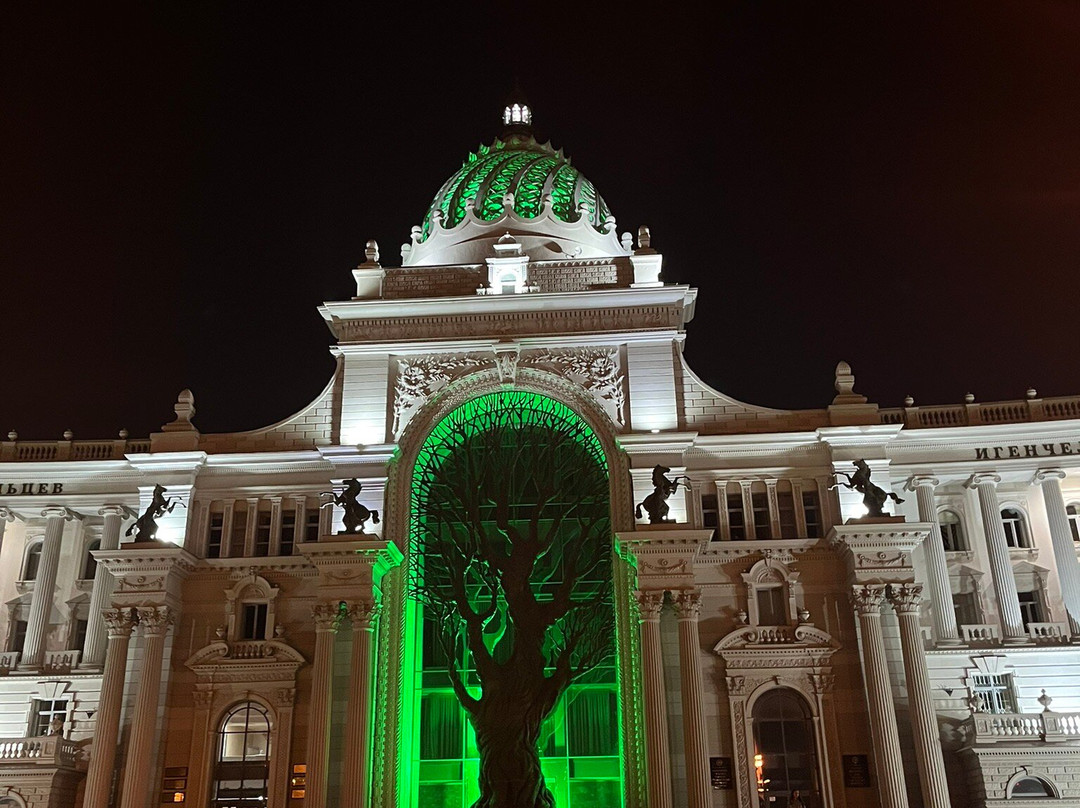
168, 461
983, 478
915, 481
1042, 475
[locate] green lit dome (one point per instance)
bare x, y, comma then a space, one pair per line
535, 175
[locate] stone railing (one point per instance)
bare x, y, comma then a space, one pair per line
8, 661
37, 451
60, 661
47, 750
251, 649
979, 634
1045, 726
1049, 633
974, 413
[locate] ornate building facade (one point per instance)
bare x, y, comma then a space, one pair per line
770, 636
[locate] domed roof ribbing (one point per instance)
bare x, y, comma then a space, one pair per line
537, 176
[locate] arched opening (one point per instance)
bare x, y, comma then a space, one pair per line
242, 765
1016, 532
1031, 788
785, 757
952, 531
511, 474
32, 562
90, 563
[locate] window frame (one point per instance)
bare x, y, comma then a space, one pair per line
1016, 528
953, 534
34, 548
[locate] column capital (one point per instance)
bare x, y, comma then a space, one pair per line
327, 616
1045, 475
921, 480
822, 683
650, 602
905, 598
362, 613
983, 478
116, 510
155, 620
59, 512
867, 598
8, 515
688, 604
119, 622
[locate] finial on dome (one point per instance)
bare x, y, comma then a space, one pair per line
517, 115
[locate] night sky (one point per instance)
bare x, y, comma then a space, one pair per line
897, 185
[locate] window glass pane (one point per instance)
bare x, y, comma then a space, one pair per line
33, 560
786, 504
762, 527
812, 514
90, 564
239, 532
592, 726
735, 516
262, 533
213, 542
771, 607
288, 530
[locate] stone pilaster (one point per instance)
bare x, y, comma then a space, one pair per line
1068, 567
154, 622
93, 655
327, 618
937, 568
867, 600
905, 599
657, 751
41, 602
355, 782
99, 775
688, 605
1012, 622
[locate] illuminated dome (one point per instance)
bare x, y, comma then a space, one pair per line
515, 186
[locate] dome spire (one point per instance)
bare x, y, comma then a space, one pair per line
517, 115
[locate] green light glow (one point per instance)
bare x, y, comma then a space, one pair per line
586, 749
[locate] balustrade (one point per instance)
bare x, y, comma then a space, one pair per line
979, 633
1003, 727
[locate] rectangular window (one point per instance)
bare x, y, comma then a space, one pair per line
710, 513
994, 691
78, 636
262, 533
18, 636
213, 538
45, 711
311, 523
1030, 608
239, 532
254, 621
967, 609
812, 513
735, 516
288, 530
759, 500
785, 502
772, 611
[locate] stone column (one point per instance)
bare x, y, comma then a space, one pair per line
1068, 567
688, 605
42, 600
327, 621
6, 515
1012, 622
354, 790
93, 655
905, 598
890, 768
99, 775
139, 763
657, 751
937, 568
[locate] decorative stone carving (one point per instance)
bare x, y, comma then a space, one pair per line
327, 616
596, 369
284, 697
203, 699
688, 604
119, 622
506, 362
905, 597
650, 602
420, 376
155, 620
822, 683
867, 599
363, 613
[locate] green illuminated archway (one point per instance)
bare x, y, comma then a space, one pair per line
547, 459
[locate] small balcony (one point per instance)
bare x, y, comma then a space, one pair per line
1019, 727
980, 634
1049, 633
48, 750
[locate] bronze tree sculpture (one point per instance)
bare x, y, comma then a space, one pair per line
512, 555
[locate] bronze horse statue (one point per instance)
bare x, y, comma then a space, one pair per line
145, 527
874, 496
655, 504
356, 513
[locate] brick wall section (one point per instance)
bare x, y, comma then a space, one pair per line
308, 428
712, 413
550, 276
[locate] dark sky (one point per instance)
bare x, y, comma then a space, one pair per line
895, 184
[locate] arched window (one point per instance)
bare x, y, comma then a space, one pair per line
11, 802
1016, 534
242, 768
952, 531
90, 564
1029, 788
32, 562
1073, 510
785, 759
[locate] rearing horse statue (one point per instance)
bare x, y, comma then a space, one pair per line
874, 496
